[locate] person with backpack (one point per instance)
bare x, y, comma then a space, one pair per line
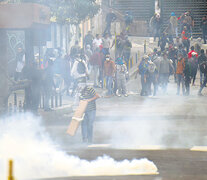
152, 78
121, 73
180, 74
166, 68
142, 70
79, 72
201, 62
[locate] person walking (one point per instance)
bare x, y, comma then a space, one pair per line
106, 44
127, 51
97, 42
109, 73
152, 78
121, 73
201, 59
187, 76
165, 66
96, 61
79, 72
88, 94
194, 66
142, 70
185, 38
204, 28
174, 23
110, 17
88, 40
180, 73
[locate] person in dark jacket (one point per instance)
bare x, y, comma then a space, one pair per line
33, 90
201, 59
110, 17
48, 84
204, 66
204, 28
187, 76
163, 41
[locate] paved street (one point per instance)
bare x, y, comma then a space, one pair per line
162, 128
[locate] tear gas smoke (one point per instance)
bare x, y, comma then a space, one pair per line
24, 140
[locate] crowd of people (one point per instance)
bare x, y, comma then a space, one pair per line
157, 67
95, 61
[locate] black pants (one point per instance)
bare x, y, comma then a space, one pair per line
194, 73
186, 44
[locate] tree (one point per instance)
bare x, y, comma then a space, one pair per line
70, 11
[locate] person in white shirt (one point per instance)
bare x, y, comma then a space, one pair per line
79, 72
97, 42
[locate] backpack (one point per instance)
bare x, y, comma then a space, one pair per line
142, 68
151, 68
81, 68
203, 67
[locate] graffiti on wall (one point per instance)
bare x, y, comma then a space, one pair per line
16, 40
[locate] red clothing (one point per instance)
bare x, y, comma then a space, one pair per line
96, 59
183, 36
109, 68
180, 66
190, 54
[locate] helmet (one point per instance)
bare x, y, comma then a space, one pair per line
172, 14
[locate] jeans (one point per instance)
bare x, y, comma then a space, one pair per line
109, 82
87, 126
180, 79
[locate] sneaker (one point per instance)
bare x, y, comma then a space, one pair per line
126, 95
119, 95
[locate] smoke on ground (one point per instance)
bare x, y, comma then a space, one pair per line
23, 139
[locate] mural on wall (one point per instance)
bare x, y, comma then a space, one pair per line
16, 40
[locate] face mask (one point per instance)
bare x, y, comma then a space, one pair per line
107, 59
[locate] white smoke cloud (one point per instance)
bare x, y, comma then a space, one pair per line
24, 140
